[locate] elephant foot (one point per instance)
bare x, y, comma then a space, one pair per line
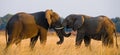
5, 51
86, 45
43, 42
31, 47
110, 45
59, 43
77, 45
89, 47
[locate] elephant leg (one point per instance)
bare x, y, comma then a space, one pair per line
7, 47
110, 41
105, 40
87, 41
33, 41
61, 39
58, 32
9, 44
18, 40
18, 43
79, 39
43, 36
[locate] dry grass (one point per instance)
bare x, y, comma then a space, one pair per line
67, 48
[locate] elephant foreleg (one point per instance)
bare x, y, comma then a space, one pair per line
87, 40
43, 36
108, 41
66, 35
9, 44
58, 32
79, 39
18, 43
33, 41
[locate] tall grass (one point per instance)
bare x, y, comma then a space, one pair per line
51, 48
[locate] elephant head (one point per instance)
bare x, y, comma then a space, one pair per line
51, 17
54, 22
73, 21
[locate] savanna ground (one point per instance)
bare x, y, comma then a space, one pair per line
51, 48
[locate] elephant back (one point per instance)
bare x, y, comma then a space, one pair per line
29, 27
10, 23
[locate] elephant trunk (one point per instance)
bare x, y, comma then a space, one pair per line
61, 33
58, 32
61, 29
64, 24
66, 35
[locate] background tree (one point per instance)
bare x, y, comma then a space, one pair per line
116, 20
4, 20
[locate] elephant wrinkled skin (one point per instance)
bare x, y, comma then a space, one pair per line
87, 27
23, 25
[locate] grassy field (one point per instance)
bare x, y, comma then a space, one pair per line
51, 48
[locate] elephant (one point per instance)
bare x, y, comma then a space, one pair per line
33, 25
99, 28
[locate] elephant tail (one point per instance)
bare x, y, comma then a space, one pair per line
116, 38
6, 35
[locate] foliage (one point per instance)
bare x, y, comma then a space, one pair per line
116, 20
4, 20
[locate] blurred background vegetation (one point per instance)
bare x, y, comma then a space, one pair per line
4, 20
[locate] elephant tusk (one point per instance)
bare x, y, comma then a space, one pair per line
59, 28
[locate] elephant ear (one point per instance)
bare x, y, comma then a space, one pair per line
48, 14
78, 22
55, 17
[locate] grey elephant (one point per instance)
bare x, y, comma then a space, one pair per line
87, 27
24, 25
